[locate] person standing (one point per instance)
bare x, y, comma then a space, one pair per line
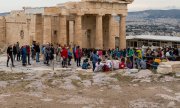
10, 55
74, 52
52, 52
69, 56
14, 52
95, 59
28, 53
64, 56
78, 56
24, 54
18, 51
58, 53
37, 49
47, 54
33, 51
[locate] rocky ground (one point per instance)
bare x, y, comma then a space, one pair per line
40, 86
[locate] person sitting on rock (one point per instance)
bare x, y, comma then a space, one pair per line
99, 66
143, 64
122, 64
129, 63
85, 64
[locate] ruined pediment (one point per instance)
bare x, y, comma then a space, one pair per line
111, 1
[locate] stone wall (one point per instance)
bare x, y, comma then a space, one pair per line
2, 31
18, 28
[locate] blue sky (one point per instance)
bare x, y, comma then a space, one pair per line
7, 5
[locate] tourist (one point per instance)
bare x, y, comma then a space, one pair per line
94, 59
52, 52
69, 56
64, 55
116, 64
28, 53
14, 52
58, 53
33, 50
47, 54
18, 51
143, 64
10, 55
129, 63
85, 64
122, 64
108, 63
130, 54
74, 52
37, 50
78, 56
24, 54
99, 66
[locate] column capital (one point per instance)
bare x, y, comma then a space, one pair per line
100, 15
79, 14
113, 14
122, 15
47, 15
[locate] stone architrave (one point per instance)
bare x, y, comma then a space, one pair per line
62, 38
99, 32
78, 30
122, 31
111, 40
47, 29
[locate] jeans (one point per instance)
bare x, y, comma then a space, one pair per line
69, 60
94, 66
37, 56
10, 57
28, 57
64, 62
14, 57
78, 61
18, 56
74, 57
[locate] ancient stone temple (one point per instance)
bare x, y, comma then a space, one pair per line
97, 24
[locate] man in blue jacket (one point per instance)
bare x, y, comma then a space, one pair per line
94, 59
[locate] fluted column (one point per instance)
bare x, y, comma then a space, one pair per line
99, 33
111, 40
122, 31
78, 30
62, 38
47, 29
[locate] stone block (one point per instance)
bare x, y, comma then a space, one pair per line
164, 69
176, 68
133, 70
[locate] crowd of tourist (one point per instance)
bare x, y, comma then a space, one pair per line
98, 60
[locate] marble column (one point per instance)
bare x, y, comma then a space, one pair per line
111, 39
99, 33
47, 29
62, 38
78, 31
122, 32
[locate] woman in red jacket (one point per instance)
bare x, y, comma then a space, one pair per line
64, 55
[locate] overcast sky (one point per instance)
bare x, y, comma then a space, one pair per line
8, 5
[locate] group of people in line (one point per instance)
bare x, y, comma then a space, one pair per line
47, 51
98, 60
